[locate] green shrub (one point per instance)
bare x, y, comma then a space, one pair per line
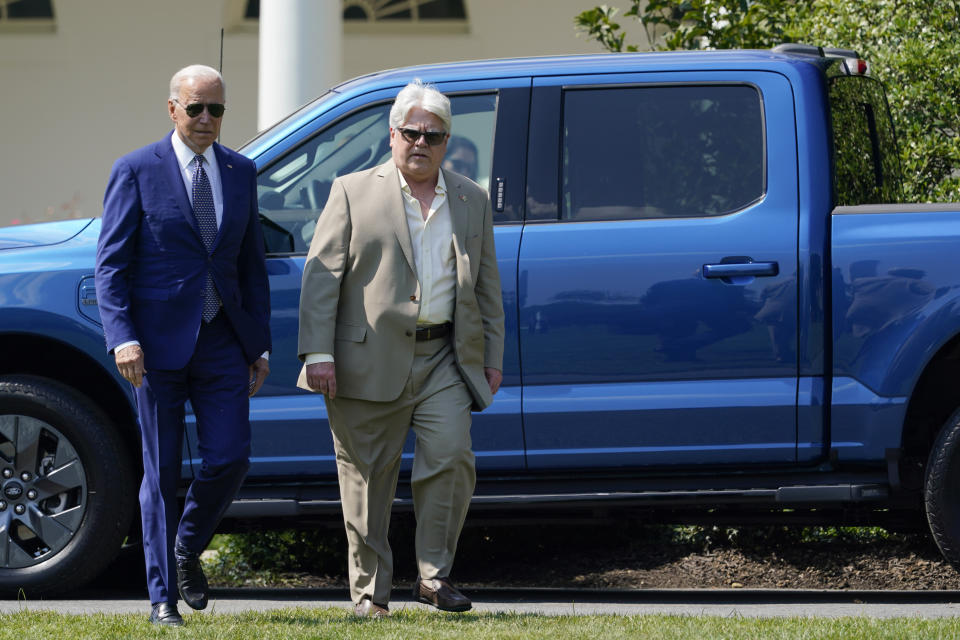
262, 557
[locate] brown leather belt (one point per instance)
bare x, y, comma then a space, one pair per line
433, 331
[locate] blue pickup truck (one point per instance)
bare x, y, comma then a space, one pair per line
711, 303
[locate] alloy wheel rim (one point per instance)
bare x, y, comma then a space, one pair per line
43, 491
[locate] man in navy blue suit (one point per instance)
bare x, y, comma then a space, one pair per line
183, 294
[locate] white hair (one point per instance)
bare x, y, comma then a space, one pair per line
195, 71
425, 96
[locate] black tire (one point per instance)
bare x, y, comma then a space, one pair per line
67, 497
125, 572
942, 490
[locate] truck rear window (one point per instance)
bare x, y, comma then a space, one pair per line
661, 151
866, 165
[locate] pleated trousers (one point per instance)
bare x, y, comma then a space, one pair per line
368, 440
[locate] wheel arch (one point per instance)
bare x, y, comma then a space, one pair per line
40, 355
935, 397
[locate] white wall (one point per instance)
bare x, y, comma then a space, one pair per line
76, 99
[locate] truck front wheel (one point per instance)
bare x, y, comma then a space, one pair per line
66, 487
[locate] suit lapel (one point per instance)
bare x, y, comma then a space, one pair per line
397, 212
171, 171
230, 193
459, 213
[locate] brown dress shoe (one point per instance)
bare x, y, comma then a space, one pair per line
441, 594
367, 609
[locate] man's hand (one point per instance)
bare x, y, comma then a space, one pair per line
321, 377
130, 364
494, 378
259, 371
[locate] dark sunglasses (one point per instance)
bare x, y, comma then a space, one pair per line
433, 138
196, 108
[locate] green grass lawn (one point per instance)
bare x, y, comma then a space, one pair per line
296, 624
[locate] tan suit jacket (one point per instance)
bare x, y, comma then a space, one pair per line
361, 296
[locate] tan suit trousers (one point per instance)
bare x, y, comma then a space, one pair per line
368, 438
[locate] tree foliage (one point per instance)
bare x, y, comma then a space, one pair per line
910, 44
912, 47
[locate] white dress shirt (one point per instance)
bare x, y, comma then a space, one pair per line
185, 156
433, 257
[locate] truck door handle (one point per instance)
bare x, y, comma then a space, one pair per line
734, 269
748, 269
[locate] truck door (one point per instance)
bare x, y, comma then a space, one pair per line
658, 271
290, 431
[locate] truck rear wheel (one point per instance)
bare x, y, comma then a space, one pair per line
66, 487
942, 490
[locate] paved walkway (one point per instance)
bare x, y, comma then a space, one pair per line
753, 603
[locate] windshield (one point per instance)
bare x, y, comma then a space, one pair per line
289, 120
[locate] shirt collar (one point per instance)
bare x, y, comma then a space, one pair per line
441, 188
185, 154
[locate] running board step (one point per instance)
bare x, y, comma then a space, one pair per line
781, 497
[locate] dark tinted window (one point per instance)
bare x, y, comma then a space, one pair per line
386, 9
404, 10
29, 9
866, 167
655, 152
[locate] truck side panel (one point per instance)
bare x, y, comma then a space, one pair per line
896, 301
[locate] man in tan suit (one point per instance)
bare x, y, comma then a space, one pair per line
401, 326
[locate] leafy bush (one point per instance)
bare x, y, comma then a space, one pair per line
261, 557
912, 47
706, 537
275, 557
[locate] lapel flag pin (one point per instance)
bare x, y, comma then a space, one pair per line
463, 198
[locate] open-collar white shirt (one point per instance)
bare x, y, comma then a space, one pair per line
433, 256
432, 240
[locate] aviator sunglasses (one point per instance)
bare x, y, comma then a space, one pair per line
433, 138
196, 108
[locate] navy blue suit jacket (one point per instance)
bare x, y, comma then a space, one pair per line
151, 262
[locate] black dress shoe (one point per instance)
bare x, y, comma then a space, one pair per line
191, 583
441, 594
165, 614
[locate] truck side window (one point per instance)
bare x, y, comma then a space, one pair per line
293, 190
661, 151
470, 148
866, 165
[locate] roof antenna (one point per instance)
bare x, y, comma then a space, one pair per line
220, 69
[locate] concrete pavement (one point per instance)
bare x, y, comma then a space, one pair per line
725, 602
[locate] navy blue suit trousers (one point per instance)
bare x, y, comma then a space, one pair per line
215, 383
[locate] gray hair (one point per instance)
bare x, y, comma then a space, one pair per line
195, 71
425, 96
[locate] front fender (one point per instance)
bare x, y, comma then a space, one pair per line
47, 332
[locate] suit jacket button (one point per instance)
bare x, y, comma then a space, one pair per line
409, 333
413, 298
